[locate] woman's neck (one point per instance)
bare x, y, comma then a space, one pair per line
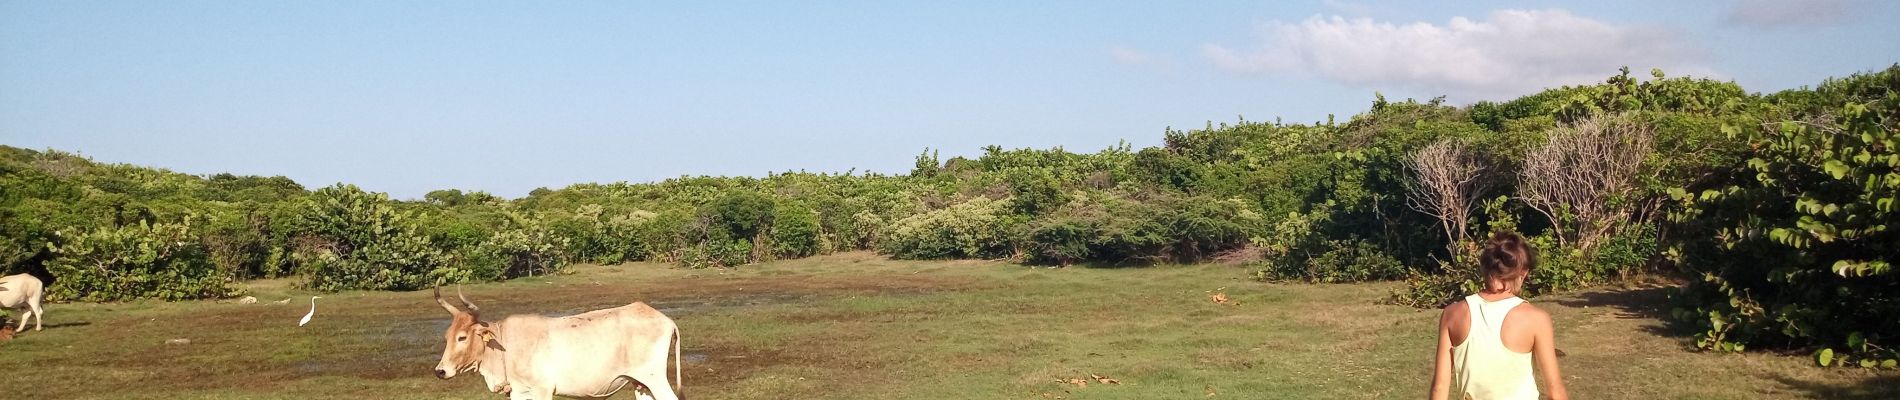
1494, 290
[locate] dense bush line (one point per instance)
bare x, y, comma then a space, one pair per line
1775, 208
1793, 243
144, 260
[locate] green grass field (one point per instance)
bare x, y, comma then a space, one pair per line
857, 326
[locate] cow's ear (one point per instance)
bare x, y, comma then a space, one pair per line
487, 334
482, 330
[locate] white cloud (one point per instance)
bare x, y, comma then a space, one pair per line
1510, 53
1777, 14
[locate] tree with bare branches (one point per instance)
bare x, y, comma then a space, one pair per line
1447, 179
1584, 177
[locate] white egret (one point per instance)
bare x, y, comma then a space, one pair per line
313, 311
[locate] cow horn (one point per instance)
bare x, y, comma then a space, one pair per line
445, 304
471, 305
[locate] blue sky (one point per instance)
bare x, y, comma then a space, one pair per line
407, 97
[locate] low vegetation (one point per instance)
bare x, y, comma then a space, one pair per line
1772, 208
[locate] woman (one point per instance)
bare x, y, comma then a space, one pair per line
1487, 342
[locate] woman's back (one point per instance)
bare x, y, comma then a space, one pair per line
1485, 364
1488, 343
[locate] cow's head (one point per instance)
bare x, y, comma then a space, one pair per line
467, 339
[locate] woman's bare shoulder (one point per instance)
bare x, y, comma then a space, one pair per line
1533, 310
1528, 312
1453, 312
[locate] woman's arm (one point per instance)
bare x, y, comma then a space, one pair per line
1544, 348
1441, 371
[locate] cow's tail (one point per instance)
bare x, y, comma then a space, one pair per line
679, 378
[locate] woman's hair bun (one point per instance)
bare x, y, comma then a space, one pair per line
1506, 256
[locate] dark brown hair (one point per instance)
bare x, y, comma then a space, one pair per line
1506, 256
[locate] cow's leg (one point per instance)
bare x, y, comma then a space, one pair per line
662, 390
531, 394
23, 313
39, 317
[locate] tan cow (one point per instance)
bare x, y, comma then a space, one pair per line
21, 294
592, 354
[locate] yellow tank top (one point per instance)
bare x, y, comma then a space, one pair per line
1482, 368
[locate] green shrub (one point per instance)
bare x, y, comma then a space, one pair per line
1794, 247
1558, 269
728, 231
1621, 254
794, 231
1345, 261
1096, 226
972, 229
1130, 231
1439, 287
587, 239
1110, 227
742, 213
403, 262
1060, 241
241, 244
1298, 251
664, 237
358, 240
1288, 244
621, 238
157, 261
716, 250
1034, 191
863, 231
598, 235
515, 253
1201, 227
